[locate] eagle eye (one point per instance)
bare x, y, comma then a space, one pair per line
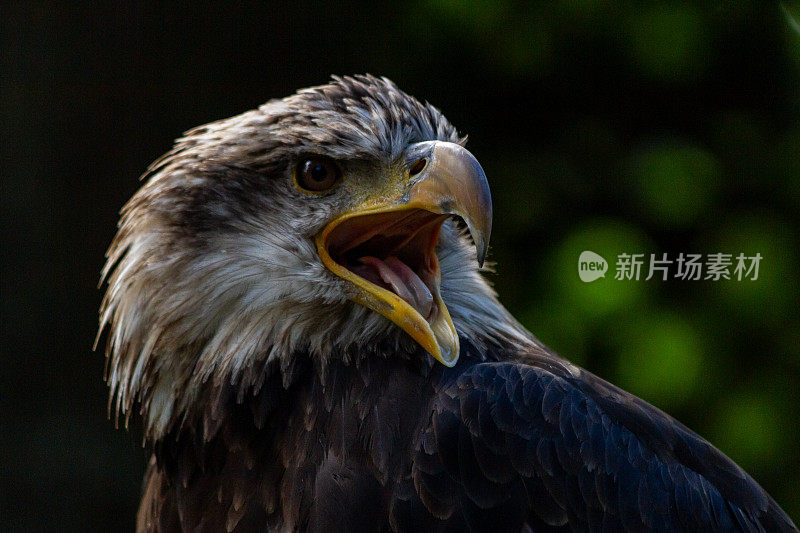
316, 174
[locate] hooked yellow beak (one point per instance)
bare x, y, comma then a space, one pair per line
386, 245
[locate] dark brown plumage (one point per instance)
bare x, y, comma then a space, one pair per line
273, 338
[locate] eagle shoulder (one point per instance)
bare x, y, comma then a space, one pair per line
540, 443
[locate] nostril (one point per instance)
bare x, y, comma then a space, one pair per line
417, 167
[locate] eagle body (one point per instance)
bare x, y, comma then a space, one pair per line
503, 445
307, 335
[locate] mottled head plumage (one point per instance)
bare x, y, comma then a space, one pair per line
214, 275
349, 117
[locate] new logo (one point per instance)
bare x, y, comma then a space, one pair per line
591, 266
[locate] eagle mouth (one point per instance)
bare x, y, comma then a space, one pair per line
386, 245
394, 251
389, 256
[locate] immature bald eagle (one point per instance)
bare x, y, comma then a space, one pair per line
311, 345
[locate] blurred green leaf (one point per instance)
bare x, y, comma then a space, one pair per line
774, 293
661, 357
748, 427
607, 238
674, 183
669, 41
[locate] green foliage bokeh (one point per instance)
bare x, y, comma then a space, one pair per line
722, 356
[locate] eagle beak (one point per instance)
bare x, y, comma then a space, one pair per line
386, 246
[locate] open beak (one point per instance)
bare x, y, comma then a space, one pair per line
386, 246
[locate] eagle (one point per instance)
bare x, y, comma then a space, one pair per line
296, 308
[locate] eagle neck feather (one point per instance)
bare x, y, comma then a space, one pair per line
151, 363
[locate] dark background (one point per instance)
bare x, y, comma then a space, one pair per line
606, 126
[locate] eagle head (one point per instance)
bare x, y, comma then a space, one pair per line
321, 223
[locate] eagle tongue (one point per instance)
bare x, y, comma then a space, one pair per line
404, 282
422, 294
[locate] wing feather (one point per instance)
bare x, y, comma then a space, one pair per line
520, 444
